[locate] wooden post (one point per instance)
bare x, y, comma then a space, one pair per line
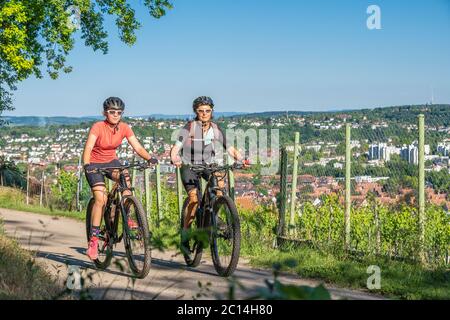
348, 161
78, 184
45, 195
179, 191
158, 193
133, 175
283, 193
231, 189
422, 186
203, 184
81, 187
377, 229
28, 183
147, 192
42, 188
294, 184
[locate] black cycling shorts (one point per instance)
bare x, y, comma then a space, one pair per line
191, 179
97, 178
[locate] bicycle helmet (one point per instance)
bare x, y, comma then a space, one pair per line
202, 101
113, 103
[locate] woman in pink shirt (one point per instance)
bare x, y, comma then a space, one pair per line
100, 152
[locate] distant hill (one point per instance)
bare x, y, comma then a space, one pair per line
438, 114
45, 121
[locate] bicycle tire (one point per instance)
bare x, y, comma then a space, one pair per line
99, 263
198, 248
233, 225
144, 231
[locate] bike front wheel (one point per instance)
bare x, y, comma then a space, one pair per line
225, 236
136, 235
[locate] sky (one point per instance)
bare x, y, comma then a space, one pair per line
258, 55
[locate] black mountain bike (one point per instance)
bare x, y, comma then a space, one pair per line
128, 212
216, 221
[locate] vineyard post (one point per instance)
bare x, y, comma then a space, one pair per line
283, 191
28, 183
42, 188
348, 162
78, 184
133, 176
422, 186
230, 179
147, 192
377, 230
203, 184
158, 193
81, 188
179, 192
294, 184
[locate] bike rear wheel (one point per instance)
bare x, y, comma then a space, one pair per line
105, 251
136, 235
225, 236
193, 250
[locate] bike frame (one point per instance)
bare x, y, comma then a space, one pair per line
209, 196
116, 196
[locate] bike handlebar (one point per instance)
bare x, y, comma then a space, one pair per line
140, 165
214, 167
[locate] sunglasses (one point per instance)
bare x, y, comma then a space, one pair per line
114, 112
207, 111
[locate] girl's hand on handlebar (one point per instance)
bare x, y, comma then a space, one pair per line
177, 161
152, 160
245, 163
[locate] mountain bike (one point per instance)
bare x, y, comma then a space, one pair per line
127, 211
216, 221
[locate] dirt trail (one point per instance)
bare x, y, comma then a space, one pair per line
60, 242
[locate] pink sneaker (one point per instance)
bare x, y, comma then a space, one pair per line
132, 224
92, 251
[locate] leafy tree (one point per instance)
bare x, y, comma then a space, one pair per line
10, 174
66, 189
38, 32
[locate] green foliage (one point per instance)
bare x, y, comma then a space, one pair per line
375, 229
399, 280
37, 31
257, 229
65, 190
276, 290
21, 277
10, 174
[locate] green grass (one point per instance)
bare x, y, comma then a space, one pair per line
399, 280
11, 198
20, 276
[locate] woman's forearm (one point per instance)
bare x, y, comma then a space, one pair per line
86, 156
174, 152
143, 153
